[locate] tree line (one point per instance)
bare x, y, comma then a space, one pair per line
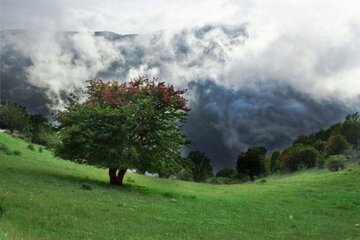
330, 148
137, 124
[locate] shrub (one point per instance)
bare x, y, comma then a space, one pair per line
185, 174
320, 145
4, 149
13, 117
275, 162
201, 168
31, 147
24, 137
48, 137
263, 181
223, 180
336, 162
320, 163
298, 156
351, 129
85, 187
227, 172
40, 149
336, 144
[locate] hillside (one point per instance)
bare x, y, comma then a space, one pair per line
42, 197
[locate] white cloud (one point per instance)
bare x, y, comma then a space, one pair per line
311, 45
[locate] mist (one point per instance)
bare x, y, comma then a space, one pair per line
253, 77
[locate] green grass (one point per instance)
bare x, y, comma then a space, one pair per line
42, 197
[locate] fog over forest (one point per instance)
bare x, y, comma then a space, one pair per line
252, 78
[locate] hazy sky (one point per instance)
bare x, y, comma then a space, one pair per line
119, 16
295, 67
313, 45
139, 16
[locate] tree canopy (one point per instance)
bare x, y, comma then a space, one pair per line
136, 124
351, 129
275, 162
251, 162
201, 168
13, 117
298, 156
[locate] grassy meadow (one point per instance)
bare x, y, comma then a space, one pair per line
42, 197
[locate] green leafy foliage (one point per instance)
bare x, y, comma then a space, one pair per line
340, 138
336, 138
320, 145
320, 162
135, 124
31, 127
13, 117
95, 135
275, 164
227, 172
299, 156
224, 180
31, 147
201, 168
336, 162
336, 144
41, 132
351, 129
251, 162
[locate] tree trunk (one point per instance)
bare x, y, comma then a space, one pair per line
117, 176
251, 177
120, 176
113, 178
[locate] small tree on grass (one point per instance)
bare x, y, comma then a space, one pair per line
298, 156
275, 162
130, 125
14, 117
251, 162
351, 129
336, 144
201, 168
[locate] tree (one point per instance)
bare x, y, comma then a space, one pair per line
251, 162
336, 144
201, 168
335, 162
351, 129
135, 124
13, 117
298, 155
320, 145
40, 131
275, 162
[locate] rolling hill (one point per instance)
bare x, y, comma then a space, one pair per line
43, 197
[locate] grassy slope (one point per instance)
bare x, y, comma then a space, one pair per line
41, 198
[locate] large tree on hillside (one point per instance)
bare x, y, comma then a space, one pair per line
136, 124
251, 162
